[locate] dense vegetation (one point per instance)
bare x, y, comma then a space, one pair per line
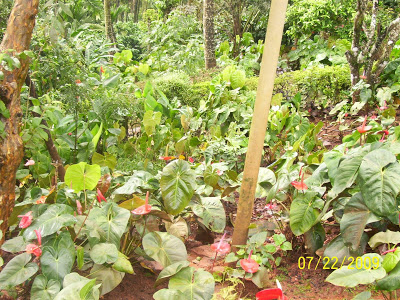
124, 127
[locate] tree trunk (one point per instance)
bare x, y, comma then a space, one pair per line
208, 28
108, 22
135, 10
236, 11
17, 37
55, 157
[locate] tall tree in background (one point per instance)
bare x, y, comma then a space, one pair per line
135, 10
236, 12
373, 41
16, 40
208, 29
108, 22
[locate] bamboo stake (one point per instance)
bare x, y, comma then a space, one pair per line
259, 123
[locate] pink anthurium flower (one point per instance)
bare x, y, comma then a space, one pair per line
270, 294
249, 264
78, 207
100, 196
384, 106
145, 208
33, 249
191, 159
219, 172
29, 162
26, 220
300, 185
167, 158
39, 237
102, 70
221, 247
363, 128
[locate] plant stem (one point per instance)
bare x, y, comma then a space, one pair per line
83, 223
215, 258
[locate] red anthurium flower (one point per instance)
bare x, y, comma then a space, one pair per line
249, 265
270, 294
78, 207
26, 220
363, 128
100, 196
373, 117
144, 209
363, 77
191, 159
41, 200
221, 247
167, 158
33, 249
102, 70
78, 82
300, 185
29, 162
384, 106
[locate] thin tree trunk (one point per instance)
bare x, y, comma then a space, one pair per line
55, 157
17, 37
135, 10
108, 22
236, 11
208, 28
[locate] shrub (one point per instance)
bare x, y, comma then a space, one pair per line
174, 84
323, 86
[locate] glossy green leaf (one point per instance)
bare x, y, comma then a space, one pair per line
390, 282
348, 170
106, 160
164, 248
107, 277
52, 220
82, 176
195, 285
169, 294
345, 276
387, 237
171, 270
58, 258
352, 224
44, 289
177, 186
212, 213
73, 284
380, 181
363, 296
104, 253
123, 264
16, 244
17, 270
314, 238
390, 260
303, 215
112, 220
210, 176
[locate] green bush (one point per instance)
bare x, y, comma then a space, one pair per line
324, 86
174, 84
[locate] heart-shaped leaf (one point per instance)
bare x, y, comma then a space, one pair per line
352, 275
82, 176
169, 294
55, 217
195, 285
76, 286
380, 181
387, 237
104, 253
164, 248
16, 244
177, 182
108, 277
57, 260
303, 215
212, 213
44, 289
18, 270
171, 270
123, 264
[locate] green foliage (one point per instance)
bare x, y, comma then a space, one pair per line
175, 84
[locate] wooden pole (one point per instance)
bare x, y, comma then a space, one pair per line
259, 123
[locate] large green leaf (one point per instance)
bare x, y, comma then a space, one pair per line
390, 260
387, 237
16, 244
54, 218
352, 224
18, 270
337, 250
171, 270
380, 181
164, 248
314, 238
108, 277
210, 176
104, 253
169, 294
44, 289
58, 258
355, 274
112, 220
177, 186
266, 179
212, 213
348, 171
391, 282
195, 285
140, 179
151, 120
78, 287
106, 160
123, 264
303, 215
82, 176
